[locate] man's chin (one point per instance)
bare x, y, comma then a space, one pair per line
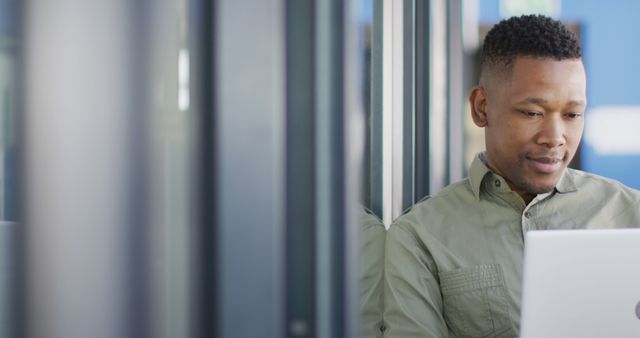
538, 188
536, 183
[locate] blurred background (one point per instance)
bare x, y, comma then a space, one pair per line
194, 168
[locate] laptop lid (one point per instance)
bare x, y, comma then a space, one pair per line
581, 283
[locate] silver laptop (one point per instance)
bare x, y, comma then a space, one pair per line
581, 283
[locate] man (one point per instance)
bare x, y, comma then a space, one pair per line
453, 264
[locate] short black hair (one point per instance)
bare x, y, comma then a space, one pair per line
528, 35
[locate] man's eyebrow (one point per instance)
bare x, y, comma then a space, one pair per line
533, 100
579, 103
540, 101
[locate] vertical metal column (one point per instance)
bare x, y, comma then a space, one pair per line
375, 197
339, 145
347, 230
8, 278
250, 166
422, 103
172, 120
408, 105
325, 143
203, 42
438, 90
456, 95
9, 167
400, 102
80, 60
301, 169
397, 109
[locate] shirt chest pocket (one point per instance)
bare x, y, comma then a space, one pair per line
475, 302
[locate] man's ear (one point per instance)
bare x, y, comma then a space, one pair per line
478, 102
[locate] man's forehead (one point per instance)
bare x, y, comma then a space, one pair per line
539, 81
528, 61
505, 67
528, 71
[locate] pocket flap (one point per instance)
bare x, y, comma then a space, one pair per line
466, 279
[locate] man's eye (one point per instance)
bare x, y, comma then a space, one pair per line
531, 113
572, 115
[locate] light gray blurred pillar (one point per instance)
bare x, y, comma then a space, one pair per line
250, 168
8, 270
79, 107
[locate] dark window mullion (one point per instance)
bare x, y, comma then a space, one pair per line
300, 169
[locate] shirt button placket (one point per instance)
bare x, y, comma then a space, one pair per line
526, 221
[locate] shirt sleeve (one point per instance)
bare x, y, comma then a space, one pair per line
413, 303
371, 275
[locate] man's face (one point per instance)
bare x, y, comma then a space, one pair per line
533, 119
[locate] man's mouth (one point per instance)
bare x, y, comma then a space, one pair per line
546, 164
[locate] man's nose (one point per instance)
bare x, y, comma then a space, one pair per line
552, 132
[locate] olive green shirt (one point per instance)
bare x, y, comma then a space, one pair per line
453, 262
371, 274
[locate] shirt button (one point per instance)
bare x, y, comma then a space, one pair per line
527, 214
497, 183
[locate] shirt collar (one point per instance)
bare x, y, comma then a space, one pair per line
567, 182
479, 170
